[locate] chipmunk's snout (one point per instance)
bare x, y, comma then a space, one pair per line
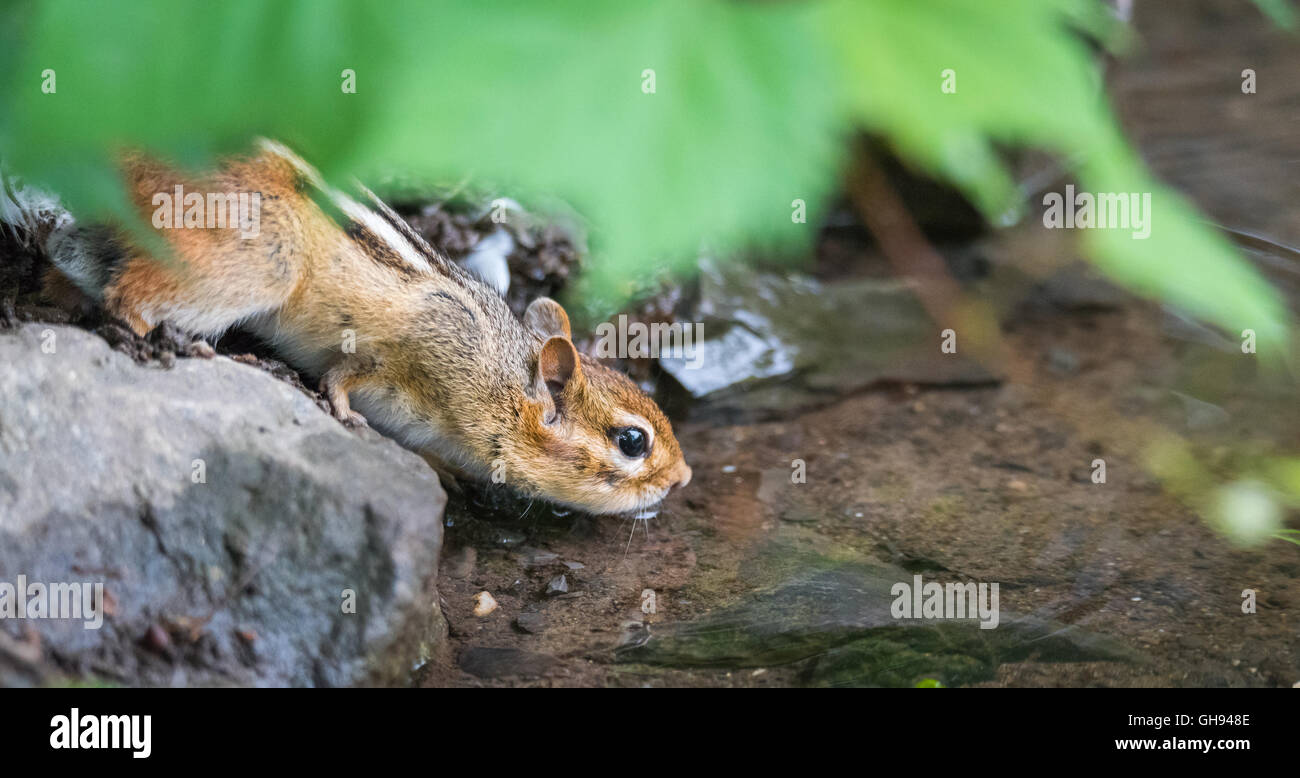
683, 477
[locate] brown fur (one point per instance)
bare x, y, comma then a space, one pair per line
440, 363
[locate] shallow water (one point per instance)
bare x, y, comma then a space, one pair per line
758, 579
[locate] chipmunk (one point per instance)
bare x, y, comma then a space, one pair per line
440, 363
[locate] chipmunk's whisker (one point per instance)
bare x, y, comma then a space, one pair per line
642, 516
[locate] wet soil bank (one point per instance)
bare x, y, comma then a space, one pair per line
986, 485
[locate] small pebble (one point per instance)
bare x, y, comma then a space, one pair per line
484, 603
531, 622
558, 585
728, 468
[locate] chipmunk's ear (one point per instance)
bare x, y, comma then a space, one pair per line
557, 364
546, 318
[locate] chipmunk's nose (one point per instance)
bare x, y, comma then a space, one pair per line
683, 477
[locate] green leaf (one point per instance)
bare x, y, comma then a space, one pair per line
749, 112
1184, 261
538, 98
1024, 78
1280, 11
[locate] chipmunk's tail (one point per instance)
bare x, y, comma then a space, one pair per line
86, 254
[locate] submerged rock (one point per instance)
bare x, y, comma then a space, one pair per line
486, 662
532, 622
777, 342
558, 585
241, 536
836, 621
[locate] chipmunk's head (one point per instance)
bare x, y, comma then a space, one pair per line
589, 437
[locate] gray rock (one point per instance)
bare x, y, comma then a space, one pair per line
226, 517
536, 557
774, 343
531, 622
1078, 287
486, 662
835, 623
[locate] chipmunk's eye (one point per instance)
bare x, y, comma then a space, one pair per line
630, 440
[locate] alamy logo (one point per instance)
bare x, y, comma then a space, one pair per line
77, 731
633, 340
1107, 210
945, 601
215, 210
38, 600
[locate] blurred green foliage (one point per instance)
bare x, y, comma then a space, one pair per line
1282, 12
751, 109
1245, 497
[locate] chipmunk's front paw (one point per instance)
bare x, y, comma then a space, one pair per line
352, 420
332, 387
344, 413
